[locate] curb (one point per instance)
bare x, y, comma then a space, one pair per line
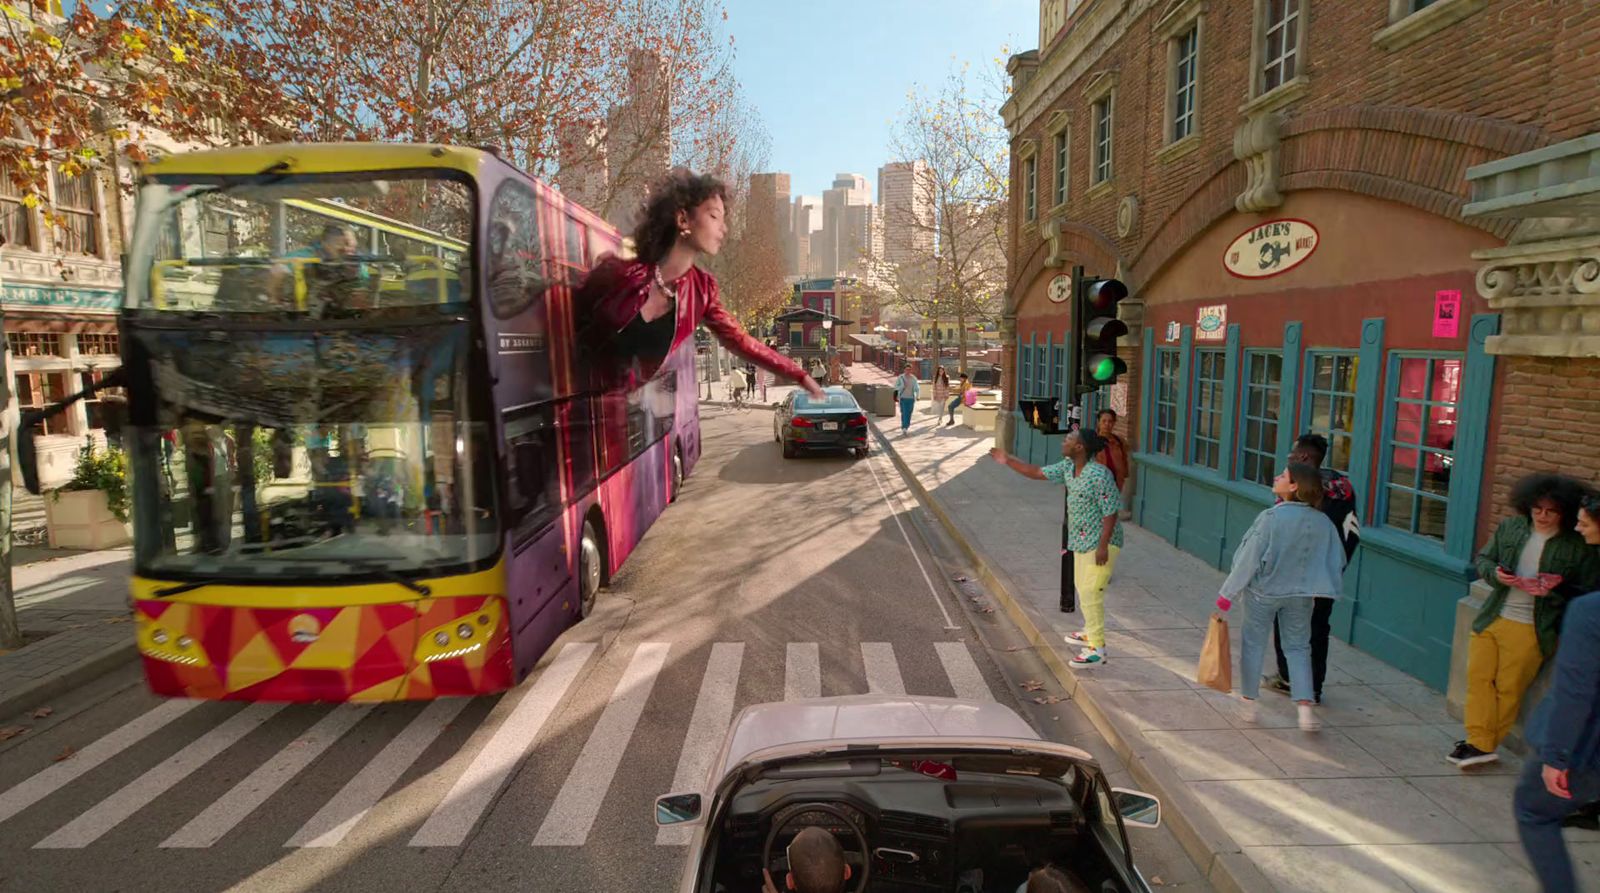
86, 670
1214, 852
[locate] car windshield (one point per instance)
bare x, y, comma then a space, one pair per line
320, 246
828, 401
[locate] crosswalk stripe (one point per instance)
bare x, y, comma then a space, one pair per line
453, 819
61, 774
713, 710
113, 810
573, 813
883, 674
963, 671
348, 807
802, 672
222, 816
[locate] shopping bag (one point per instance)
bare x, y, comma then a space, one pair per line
1216, 661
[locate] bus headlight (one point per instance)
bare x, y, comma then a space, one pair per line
159, 643
462, 636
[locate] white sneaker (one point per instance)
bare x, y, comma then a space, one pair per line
1249, 711
1079, 638
1090, 657
1309, 720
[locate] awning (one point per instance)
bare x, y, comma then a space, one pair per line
807, 314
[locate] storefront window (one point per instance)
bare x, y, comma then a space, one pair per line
1206, 440
1420, 449
1262, 401
35, 390
1332, 404
1166, 422
99, 344
34, 344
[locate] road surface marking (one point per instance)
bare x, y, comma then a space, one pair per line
61, 774
713, 710
963, 671
573, 813
883, 674
453, 819
348, 807
895, 512
112, 811
247, 796
802, 672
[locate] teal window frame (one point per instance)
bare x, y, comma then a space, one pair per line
1265, 449
1168, 372
1308, 406
1387, 445
1209, 385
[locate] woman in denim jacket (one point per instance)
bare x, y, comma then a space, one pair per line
1289, 557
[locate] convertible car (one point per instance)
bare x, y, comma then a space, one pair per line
923, 794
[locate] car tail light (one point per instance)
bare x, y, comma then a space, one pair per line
799, 422
857, 422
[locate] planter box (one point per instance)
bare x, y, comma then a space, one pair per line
980, 417
79, 519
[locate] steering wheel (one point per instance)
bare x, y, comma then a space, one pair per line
836, 812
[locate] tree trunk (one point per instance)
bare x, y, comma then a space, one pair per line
10, 631
419, 113
961, 336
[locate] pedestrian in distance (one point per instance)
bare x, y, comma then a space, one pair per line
941, 389
1115, 455
1564, 731
1339, 504
736, 385
905, 390
1290, 556
952, 404
1094, 532
1535, 563
634, 312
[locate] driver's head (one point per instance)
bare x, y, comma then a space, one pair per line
1051, 879
816, 863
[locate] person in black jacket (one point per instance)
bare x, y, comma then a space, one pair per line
1339, 504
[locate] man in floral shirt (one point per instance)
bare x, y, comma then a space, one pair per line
1094, 535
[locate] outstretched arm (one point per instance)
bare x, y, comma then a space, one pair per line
726, 328
1017, 465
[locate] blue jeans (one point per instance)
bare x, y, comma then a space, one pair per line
955, 403
1539, 814
907, 404
1294, 630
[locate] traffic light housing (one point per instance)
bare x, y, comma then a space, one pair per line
1097, 328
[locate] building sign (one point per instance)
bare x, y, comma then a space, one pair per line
1174, 331
53, 298
1270, 248
1211, 323
1060, 289
1446, 314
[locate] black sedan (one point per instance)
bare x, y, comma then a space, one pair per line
835, 422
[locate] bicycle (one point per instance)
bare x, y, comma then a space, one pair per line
736, 400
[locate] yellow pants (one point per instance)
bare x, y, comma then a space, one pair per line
1501, 663
1091, 579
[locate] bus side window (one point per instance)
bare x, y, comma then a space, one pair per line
580, 433
533, 483
573, 257
516, 269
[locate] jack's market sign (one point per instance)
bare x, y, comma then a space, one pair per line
1270, 248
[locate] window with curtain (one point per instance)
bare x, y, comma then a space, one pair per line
1420, 450
1205, 437
1331, 404
1258, 427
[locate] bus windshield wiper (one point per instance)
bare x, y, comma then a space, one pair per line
374, 566
189, 587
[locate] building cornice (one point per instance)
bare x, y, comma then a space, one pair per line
1097, 28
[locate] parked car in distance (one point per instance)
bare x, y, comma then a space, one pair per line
802, 423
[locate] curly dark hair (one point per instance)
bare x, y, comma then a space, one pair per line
1565, 492
680, 190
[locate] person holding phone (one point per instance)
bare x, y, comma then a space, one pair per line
1535, 562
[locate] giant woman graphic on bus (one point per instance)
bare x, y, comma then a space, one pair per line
633, 313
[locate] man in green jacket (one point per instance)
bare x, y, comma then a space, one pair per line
1535, 563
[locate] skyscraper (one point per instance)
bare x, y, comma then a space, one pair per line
805, 220
831, 251
905, 194
768, 216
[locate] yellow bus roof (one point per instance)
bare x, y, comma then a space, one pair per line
321, 158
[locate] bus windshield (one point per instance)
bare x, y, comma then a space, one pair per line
322, 246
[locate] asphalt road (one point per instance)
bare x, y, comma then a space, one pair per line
769, 578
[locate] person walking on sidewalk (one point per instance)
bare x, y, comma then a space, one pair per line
1339, 504
1115, 455
1094, 533
905, 390
1565, 733
1290, 556
941, 390
960, 394
1535, 562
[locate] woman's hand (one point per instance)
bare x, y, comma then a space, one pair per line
1504, 578
811, 386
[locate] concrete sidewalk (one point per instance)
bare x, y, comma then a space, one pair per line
1369, 803
73, 610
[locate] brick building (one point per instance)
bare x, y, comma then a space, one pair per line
1377, 219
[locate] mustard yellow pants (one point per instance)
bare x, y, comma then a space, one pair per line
1501, 663
1091, 579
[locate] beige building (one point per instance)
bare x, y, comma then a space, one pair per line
830, 248
906, 196
769, 212
805, 219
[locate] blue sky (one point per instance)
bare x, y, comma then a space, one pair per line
827, 81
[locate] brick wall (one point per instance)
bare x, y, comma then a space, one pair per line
1547, 419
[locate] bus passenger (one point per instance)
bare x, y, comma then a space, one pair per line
629, 311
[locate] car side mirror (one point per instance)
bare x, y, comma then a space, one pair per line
1138, 809
677, 809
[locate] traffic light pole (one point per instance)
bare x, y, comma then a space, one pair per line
1069, 398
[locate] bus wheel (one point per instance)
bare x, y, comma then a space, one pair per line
589, 570
677, 474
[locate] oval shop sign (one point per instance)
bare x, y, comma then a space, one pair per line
1270, 248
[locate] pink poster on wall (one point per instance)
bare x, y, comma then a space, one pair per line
1446, 314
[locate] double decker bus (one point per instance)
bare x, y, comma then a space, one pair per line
369, 457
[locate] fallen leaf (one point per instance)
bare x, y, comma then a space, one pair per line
1157, 881
962, 578
42, 712
1033, 685
8, 732
65, 754
1049, 699
1019, 648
